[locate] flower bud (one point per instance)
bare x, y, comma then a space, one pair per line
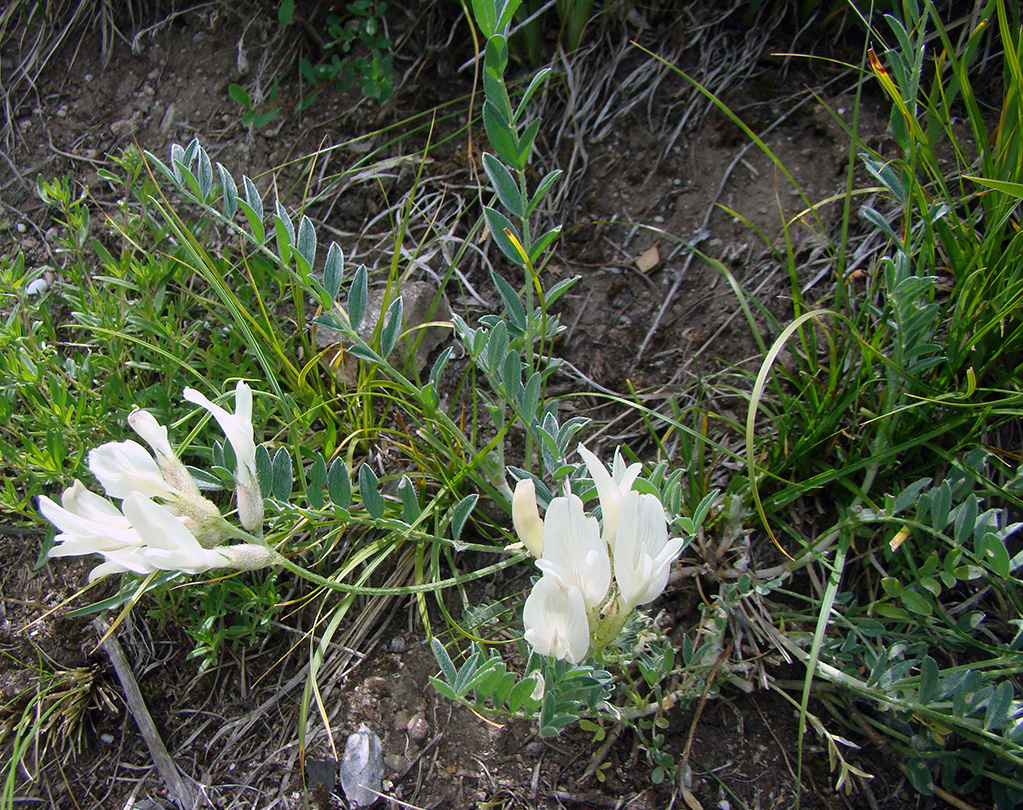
247, 557
526, 517
155, 435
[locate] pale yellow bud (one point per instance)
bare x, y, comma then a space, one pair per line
526, 517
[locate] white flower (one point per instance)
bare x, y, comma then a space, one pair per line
526, 517
37, 287
237, 427
126, 467
574, 551
643, 553
155, 435
142, 537
555, 619
88, 523
611, 487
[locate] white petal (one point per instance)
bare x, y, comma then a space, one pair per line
80, 500
71, 523
151, 432
158, 527
236, 426
572, 544
155, 435
610, 490
125, 467
105, 569
169, 546
238, 429
643, 554
555, 620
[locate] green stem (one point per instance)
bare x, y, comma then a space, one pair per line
403, 590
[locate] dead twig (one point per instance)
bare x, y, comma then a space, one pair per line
181, 788
601, 754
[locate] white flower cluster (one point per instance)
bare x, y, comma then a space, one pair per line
569, 603
164, 523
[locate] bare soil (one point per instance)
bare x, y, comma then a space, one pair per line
640, 181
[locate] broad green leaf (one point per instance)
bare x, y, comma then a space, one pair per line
357, 297
504, 185
526, 138
541, 244
505, 12
496, 54
890, 611
512, 303
502, 136
339, 484
997, 714
928, 691
317, 480
910, 495
240, 95
283, 475
541, 191
486, 17
369, 493
497, 223
285, 12
966, 519
447, 666
916, 602
991, 548
531, 397
333, 270
438, 366
264, 470
204, 173
252, 197
409, 500
389, 334
888, 177
466, 673
284, 241
535, 84
230, 191
878, 221
511, 374
282, 214
497, 348
307, 240
461, 513
151, 158
941, 505
443, 689
521, 692
255, 225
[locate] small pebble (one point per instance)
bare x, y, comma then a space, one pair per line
398, 644
418, 728
107, 738
396, 762
22, 227
400, 720
87, 77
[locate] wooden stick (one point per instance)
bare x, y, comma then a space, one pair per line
181, 788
